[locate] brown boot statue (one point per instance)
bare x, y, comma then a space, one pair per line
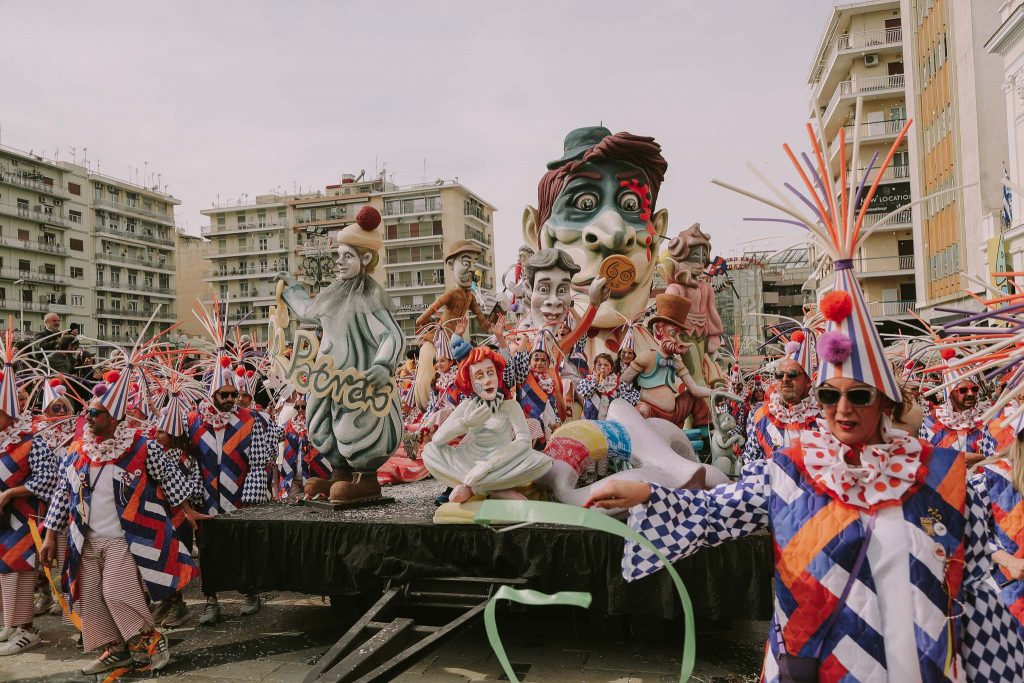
364, 486
319, 489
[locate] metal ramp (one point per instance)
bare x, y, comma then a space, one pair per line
388, 638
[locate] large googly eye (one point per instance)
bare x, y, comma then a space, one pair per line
586, 201
629, 201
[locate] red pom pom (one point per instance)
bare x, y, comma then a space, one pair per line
55, 382
250, 373
1, 376
735, 368
757, 378
240, 371
111, 376
368, 218
798, 336
225, 361
947, 353
836, 306
134, 386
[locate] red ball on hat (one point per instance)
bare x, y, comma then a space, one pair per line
225, 361
111, 376
368, 218
240, 371
798, 336
836, 306
55, 382
947, 353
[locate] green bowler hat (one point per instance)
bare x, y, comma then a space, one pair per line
577, 142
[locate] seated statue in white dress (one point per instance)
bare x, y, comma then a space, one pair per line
494, 456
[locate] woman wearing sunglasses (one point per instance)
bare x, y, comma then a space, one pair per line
871, 529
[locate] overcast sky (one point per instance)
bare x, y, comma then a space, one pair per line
226, 98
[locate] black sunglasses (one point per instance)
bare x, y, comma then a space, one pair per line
791, 374
228, 394
95, 412
860, 396
59, 408
963, 391
300, 406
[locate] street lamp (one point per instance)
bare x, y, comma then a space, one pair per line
21, 297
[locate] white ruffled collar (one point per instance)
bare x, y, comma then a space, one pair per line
958, 420
214, 417
15, 432
299, 425
886, 473
800, 412
58, 435
100, 452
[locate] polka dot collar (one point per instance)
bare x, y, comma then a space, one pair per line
886, 472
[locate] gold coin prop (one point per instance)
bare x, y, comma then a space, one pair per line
619, 272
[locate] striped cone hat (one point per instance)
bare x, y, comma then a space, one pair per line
800, 348
117, 387
173, 417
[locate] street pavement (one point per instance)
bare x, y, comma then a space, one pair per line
282, 642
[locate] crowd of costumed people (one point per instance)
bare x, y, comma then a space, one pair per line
888, 469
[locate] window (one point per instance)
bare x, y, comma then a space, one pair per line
97, 192
75, 216
310, 215
240, 220
75, 188
49, 269
222, 221
23, 207
115, 194
115, 330
263, 244
133, 279
26, 295
263, 265
131, 199
77, 272
24, 265
147, 280
261, 219
23, 235
132, 305
242, 243
76, 244
131, 225
223, 292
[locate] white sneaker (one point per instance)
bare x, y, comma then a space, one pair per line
42, 603
6, 632
21, 641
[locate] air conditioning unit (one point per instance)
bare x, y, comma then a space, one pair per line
42, 199
58, 202
871, 60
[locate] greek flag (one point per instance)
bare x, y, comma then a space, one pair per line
1007, 200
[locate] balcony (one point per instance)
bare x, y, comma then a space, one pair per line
873, 131
228, 253
30, 183
38, 246
155, 263
125, 208
847, 46
879, 266
125, 286
38, 275
138, 313
894, 173
903, 218
878, 86
36, 214
211, 230
881, 310
413, 284
137, 235
227, 274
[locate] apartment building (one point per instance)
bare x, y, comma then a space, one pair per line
191, 265
45, 243
768, 288
250, 243
95, 249
134, 238
860, 58
958, 141
1008, 43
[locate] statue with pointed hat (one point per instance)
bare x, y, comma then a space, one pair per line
362, 341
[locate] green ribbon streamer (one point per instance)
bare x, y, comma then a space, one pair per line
515, 511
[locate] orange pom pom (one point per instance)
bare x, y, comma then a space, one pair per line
836, 306
225, 361
111, 376
947, 353
798, 336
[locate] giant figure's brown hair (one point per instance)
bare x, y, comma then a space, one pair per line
638, 150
